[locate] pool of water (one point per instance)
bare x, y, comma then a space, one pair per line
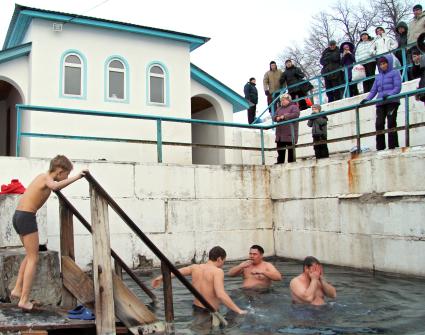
366, 303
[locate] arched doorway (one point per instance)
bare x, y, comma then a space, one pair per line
204, 107
9, 96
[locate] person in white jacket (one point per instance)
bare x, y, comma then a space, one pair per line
383, 43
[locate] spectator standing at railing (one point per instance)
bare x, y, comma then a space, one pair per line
271, 82
417, 25
331, 61
288, 110
291, 76
251, 94
387, 83
401, 37
347, 59
383, 42
319, 130
418, 71
366, 50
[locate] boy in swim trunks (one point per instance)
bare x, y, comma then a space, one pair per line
24, 221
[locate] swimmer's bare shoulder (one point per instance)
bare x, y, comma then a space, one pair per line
36, 194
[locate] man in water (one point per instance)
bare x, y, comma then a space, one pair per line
256, 272
310, 287
208, 279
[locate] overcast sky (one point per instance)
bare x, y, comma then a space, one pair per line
245, 34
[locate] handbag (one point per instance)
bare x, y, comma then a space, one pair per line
359, 72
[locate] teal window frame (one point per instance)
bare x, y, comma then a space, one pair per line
83, 59
164, 68
126, 79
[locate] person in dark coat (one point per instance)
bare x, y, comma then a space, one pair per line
387, 83
319, 130
418, 71
330, 61
290, 77
401, 37
287, 111
251, 94
347, 59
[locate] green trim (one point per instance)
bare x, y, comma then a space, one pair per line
23, 16
83, 95
239, 103
166, 83
16, 52
127, 80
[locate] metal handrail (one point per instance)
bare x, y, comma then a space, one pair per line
158, 253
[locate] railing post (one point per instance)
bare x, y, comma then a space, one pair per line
319, 86
347, 88
407, 121
18, 131
66, 248
168, 296
293, 142
102, 267
404, 60
263, 158
359, 149
159, 140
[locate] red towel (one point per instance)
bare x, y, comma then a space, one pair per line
15, 187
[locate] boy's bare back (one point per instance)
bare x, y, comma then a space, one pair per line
36, 194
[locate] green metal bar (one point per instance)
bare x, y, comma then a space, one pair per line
404, 59
346, 88
159, 140
293, 141
407, 121
263, 158
319, 80
18, 130
359, 149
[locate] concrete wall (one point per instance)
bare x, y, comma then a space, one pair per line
364, 212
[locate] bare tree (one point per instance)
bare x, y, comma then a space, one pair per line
391, 12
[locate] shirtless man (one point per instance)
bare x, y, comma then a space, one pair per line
208, 279
256, 272
24, 221
310, 287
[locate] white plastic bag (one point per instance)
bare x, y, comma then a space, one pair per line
359, 72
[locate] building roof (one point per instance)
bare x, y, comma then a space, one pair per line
23, 15
239, 102
15, 52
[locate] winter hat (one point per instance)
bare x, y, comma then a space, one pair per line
288, 60
286, 96
382, 60
272, 62
332, 42
417, 7
364, 33
317, 106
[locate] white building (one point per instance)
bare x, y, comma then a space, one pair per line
53, 59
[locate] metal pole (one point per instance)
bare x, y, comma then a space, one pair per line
407, 121
358, 130
159, 140
346, 89
263, 158
404, 60
319, 80
293, 141
18, 131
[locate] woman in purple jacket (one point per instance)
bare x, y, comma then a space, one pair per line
387, 83
287, 111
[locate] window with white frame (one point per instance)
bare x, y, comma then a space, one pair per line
73, 75
116, 80
157, 84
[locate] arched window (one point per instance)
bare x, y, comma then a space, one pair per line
73, 75
116, 82
157, 84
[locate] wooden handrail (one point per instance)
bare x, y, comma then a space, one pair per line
85, 223
164, 260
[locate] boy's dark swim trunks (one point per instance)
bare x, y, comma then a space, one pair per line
24, 222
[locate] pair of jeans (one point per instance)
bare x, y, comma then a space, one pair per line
388, 112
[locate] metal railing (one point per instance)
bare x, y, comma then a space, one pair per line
345, 84
159, 119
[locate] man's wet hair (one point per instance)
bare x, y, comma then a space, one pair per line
259, 248
309, 261
217, 252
